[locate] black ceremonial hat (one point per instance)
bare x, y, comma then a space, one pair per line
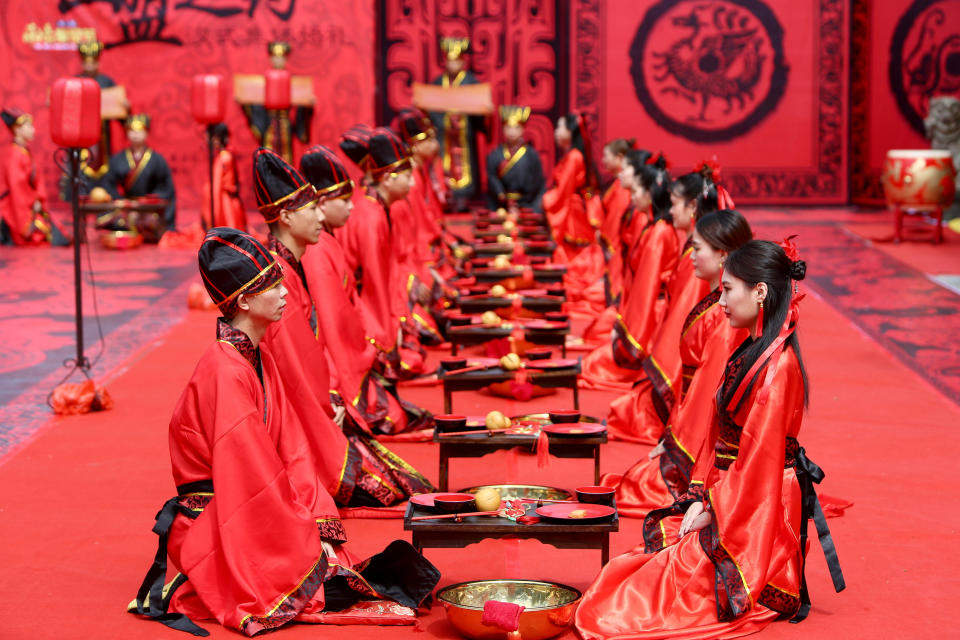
13, 116
388, 153
413, 125
321, 166
234, 262
278, 185
355, 144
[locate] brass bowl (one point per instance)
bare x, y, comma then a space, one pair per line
548, 607
530, 491
121, 239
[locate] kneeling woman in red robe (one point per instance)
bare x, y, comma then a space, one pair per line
705, 343
23, 219
252, 525
641, 414
227, 207
738, 562
574, 182
648, 264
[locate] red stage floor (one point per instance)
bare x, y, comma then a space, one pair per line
77, 502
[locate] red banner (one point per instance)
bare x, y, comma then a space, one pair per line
155, 47
760, 84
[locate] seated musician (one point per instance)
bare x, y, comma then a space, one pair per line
514, 171
139, 171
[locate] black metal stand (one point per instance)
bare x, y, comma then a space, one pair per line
213, 217
79, 236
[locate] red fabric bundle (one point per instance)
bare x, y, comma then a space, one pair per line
503, 615
74, 399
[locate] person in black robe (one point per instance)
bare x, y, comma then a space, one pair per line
273, 128
514, 172
140, 171
457, 132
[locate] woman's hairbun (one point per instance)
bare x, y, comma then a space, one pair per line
798, 270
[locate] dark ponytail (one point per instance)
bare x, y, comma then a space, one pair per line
637, 158
656, 180
726, 230
765, 261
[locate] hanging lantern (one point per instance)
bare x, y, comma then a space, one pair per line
277, 91
75, 112
208, 98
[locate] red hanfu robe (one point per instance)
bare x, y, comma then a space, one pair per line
641, 414
565, 209
352, 359
706, 344
428, 208
744, 569
351, 464
228, 208
652, 261
20, 188
616, 202
368, 247
256, 542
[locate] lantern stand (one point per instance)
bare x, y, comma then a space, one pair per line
79, 235
208, 102
210, 176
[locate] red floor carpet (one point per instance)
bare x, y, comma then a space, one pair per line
77, 502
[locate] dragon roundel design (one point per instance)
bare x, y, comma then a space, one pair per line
709, 70
925, 57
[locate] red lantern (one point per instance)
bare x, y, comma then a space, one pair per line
75, 112
208, 98
277, 93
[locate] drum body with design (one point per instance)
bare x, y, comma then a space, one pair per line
919, 178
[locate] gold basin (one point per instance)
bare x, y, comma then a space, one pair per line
548, 607
530, 491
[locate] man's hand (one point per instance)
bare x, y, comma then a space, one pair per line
657, 451
339, 413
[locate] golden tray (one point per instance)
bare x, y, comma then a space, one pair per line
548, 607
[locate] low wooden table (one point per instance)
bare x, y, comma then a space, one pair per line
546, 276
449, 534
473, 380
537, 304
468, 335
482, 443
530, 248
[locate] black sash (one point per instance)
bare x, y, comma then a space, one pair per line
154, 580
808, 474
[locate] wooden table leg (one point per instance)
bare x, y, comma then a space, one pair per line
447, 400
596, 464
444, 470
605, 551
897, 223
576, 395
453, 348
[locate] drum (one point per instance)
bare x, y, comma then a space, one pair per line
919, 178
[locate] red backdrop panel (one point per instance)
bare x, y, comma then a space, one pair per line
762, 85
156, 47
904, 52
520, 48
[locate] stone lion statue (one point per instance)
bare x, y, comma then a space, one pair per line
943, 129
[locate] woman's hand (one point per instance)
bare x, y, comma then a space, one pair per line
338, 415
657, 451
694, 519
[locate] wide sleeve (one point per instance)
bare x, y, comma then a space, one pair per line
654, 258
564, 182
163, 179
746, 502
21, 194
116, 173
498, 193
536, 181
695, 415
